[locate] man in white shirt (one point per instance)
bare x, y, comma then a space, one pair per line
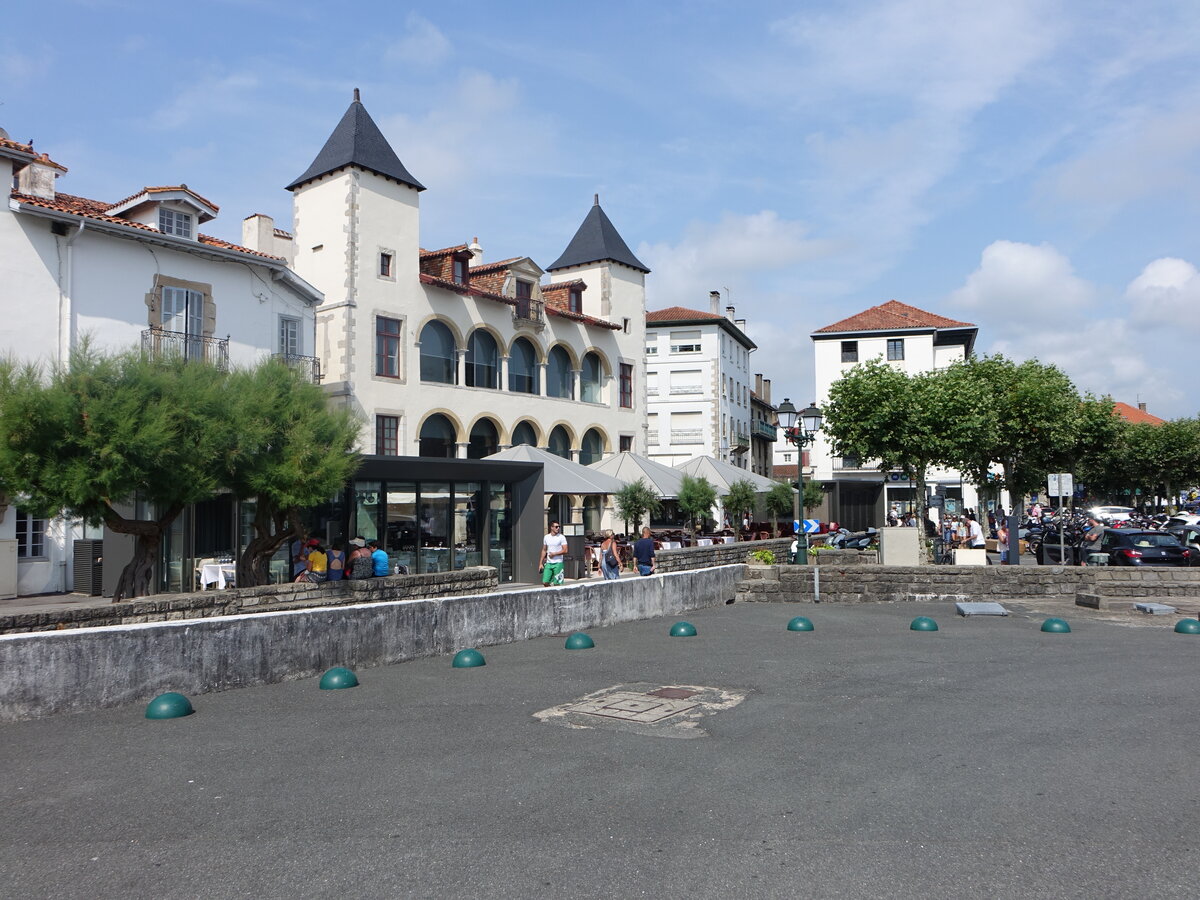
554, 551
975, 535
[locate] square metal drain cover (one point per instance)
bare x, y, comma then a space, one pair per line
658, 710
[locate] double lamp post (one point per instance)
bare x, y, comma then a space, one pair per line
799, 428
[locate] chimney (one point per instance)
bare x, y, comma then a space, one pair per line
714, 302
740, 323
766, 395
476, 252
258, 233
1142, 405
37, 180
758, 385
729, 313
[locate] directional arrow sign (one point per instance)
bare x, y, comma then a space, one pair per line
812, 526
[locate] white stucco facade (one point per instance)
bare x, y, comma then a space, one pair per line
698, 386
72, 269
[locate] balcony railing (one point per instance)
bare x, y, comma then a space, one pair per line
177, 344
652, 437
741, 441
763, 430
529, 313
687, 435
687, 388
308, 366
651, 392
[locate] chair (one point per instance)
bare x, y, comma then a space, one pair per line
200, 564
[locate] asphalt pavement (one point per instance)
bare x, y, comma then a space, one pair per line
987, 759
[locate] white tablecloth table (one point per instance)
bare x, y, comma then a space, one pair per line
218, 574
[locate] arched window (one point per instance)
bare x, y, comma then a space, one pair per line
558, 374
483, 360
592, 508
524, 433
437, 354
559, 443
437, 437
484, 441
590, 379
591, 448
522, 368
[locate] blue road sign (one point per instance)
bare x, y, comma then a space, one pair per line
812, 526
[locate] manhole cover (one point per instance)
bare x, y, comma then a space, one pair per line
650, 709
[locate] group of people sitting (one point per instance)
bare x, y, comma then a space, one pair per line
311, 562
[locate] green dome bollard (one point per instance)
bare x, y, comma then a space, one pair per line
1187, 626
338, 678
800, 624
468, 659
683, 629
580, 641
923, 623
1056, 626
169, 706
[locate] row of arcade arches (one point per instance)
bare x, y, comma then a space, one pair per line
441, 433
484, 357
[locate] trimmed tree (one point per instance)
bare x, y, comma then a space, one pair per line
291, 450
780, 501
105, 437
696, 498
634, 501
740, 498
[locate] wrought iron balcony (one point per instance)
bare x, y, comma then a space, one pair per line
309, 366
741, 441
764, 430
177, 344
529, 313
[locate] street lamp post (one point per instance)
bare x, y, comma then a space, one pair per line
800, 428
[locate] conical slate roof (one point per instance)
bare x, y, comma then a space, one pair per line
596, 240
357, 141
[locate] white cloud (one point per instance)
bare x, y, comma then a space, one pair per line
210, 99
1029, 303
423, 43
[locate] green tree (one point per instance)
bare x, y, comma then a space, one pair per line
814, 496
696, 498
739, 500
106, 437
291, 450
634, 501
780, 502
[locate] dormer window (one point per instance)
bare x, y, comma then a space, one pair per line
524, 290
575, 300
173, 222
460, 271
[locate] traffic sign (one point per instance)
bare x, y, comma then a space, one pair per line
1060, 484
812, 526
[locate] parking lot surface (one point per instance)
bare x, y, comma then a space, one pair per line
862, 759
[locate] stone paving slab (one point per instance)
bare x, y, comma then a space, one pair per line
987, 759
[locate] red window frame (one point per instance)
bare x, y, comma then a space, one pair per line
387, 347
626, 386
387, 435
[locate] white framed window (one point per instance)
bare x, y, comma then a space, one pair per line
31, 536
289, 336
171, 221
182, 310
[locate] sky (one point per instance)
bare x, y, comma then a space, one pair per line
1031, 166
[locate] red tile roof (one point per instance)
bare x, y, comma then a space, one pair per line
162, 189
9, 144
95, 209
473, 290
679, 314
1136, 416
499, 264
892, 316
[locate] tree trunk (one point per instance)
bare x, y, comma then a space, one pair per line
272, 528
136, 579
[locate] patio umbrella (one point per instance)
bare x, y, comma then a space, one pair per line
629, 467
561, 476
721, 474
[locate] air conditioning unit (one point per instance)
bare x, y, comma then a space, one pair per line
87, 557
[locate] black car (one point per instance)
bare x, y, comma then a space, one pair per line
1126, 547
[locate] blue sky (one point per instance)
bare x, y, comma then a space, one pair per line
1031, 166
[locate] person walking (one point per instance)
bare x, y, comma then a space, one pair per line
610, 563
643, 553
1002, 542
554, 551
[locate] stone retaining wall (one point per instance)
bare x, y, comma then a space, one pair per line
686, 558
859, 583
85, 668
266, 598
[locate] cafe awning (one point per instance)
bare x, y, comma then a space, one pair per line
629, 467
562, 476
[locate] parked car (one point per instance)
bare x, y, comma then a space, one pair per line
1111, 513
1182, 518
1189, 536
1144, 548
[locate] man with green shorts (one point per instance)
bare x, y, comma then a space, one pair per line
554, 551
